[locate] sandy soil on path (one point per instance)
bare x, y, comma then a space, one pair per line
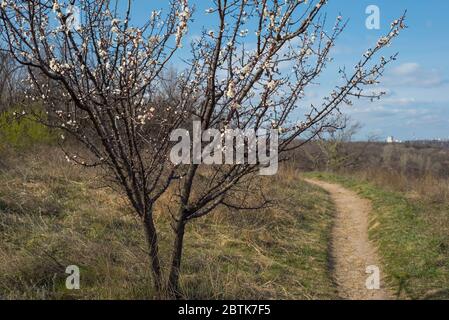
352, 252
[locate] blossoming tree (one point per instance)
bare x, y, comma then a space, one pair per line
242, 86
101, 82
99, 79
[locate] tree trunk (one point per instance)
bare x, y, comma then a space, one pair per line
153, 246
173, 279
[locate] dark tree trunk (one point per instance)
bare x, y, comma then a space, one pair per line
153, 246
173, 279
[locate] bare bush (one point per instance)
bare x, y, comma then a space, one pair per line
10, 76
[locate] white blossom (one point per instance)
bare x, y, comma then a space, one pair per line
272, 84
56, 6
231, 90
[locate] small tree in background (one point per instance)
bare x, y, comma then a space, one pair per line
102, 82
10, 73
337, 150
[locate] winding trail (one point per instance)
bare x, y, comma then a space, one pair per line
352, 252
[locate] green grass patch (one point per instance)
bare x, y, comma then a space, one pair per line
22, 132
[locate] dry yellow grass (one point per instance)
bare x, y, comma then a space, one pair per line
53, 215
427, 187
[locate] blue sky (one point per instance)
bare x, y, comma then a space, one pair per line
417, 103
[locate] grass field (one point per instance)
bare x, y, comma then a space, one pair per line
412, 233
53, 214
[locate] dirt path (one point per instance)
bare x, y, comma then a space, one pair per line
352, 252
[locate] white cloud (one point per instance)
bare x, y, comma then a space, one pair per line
406, 69
400, 101
413, 74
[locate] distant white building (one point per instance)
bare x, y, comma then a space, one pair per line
391, 139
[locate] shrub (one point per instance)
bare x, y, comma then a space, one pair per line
24, 132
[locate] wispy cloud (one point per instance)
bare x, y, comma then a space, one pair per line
413, 74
